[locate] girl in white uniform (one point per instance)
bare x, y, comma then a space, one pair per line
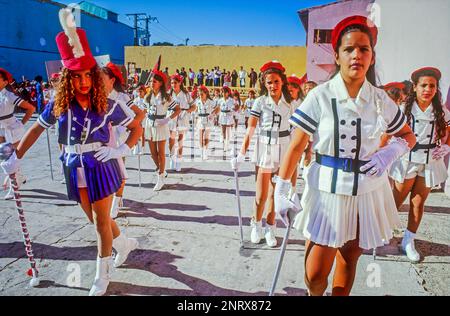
349, 204
226, 120
114, 82
206, 110
422, 168
158, 104
271, 111
237, 110
11, 129
248, 104
181, 124
139, 102
216, 99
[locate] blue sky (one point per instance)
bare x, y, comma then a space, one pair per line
219, 22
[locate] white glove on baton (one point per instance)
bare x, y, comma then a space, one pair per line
162, 122
107, 153
282, 201
11, 165
236, 161
440, 152
385, 157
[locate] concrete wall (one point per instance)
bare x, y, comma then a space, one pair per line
27, 37
228, 57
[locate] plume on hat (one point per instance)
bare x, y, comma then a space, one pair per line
67, 21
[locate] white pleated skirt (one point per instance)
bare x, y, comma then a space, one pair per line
13, 133
269, 156
156, 133
434, 172
332, 220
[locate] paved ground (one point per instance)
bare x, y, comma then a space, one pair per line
189, 239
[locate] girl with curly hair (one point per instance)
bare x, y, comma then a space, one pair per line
91, 168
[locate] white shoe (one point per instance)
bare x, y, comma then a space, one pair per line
159, 183
409, 248
178, 165
271, 241
172, 163
102, 276
205, 154
257, 233
123, 247
10, 194
116, 204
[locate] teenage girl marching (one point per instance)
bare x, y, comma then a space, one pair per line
181, 124
114, 82
206, 111
349, 204
226, 120
11, 129
91, 168
248, 104
423, 168
271, 111
158, 103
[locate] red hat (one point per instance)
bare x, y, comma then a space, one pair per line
274, 64
354, 20
226, 88
177, 77
426, 71
117, 72
8, 76
76, 55
391, 85
159, 73
55, 76
204, 89
296, 80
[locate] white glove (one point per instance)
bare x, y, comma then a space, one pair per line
283, 204
162, 122
11, 165
236, 161
107, 153
385, 157
441, 152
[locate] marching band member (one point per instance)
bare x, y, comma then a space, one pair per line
158, 103
422, 168
226, 120
271, 111
248, 104
349, 205
180, 125
11, 129
206, 111
91, 167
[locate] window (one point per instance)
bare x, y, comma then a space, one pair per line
322, 36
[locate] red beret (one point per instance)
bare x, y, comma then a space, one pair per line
274, 64
426, 71
66, 50
391, 85
354, 20
159, 73
177, 77
8, 76
294, 79
227, 89
204, 89
117, 72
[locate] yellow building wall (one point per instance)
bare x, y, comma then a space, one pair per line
293, 58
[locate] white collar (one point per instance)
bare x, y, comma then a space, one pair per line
425, 115
272, 103
342, 92
113, 95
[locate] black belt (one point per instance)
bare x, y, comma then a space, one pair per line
423, 146
226, 111
276, 134
6, 116
344, 164
156, 117
203, 114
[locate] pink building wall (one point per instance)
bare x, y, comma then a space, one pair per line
320, 57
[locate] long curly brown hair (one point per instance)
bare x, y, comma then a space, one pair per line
439, 115
66, 93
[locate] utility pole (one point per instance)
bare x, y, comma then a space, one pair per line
136, 17
187, 40
147, 21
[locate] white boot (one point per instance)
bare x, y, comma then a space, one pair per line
116, 204
172, 162
123, 246
10, 194
271, 241
159, 183
257, 233
178, 164
102, 276
205, 153
409, 248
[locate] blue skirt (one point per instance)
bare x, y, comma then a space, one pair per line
102, 179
